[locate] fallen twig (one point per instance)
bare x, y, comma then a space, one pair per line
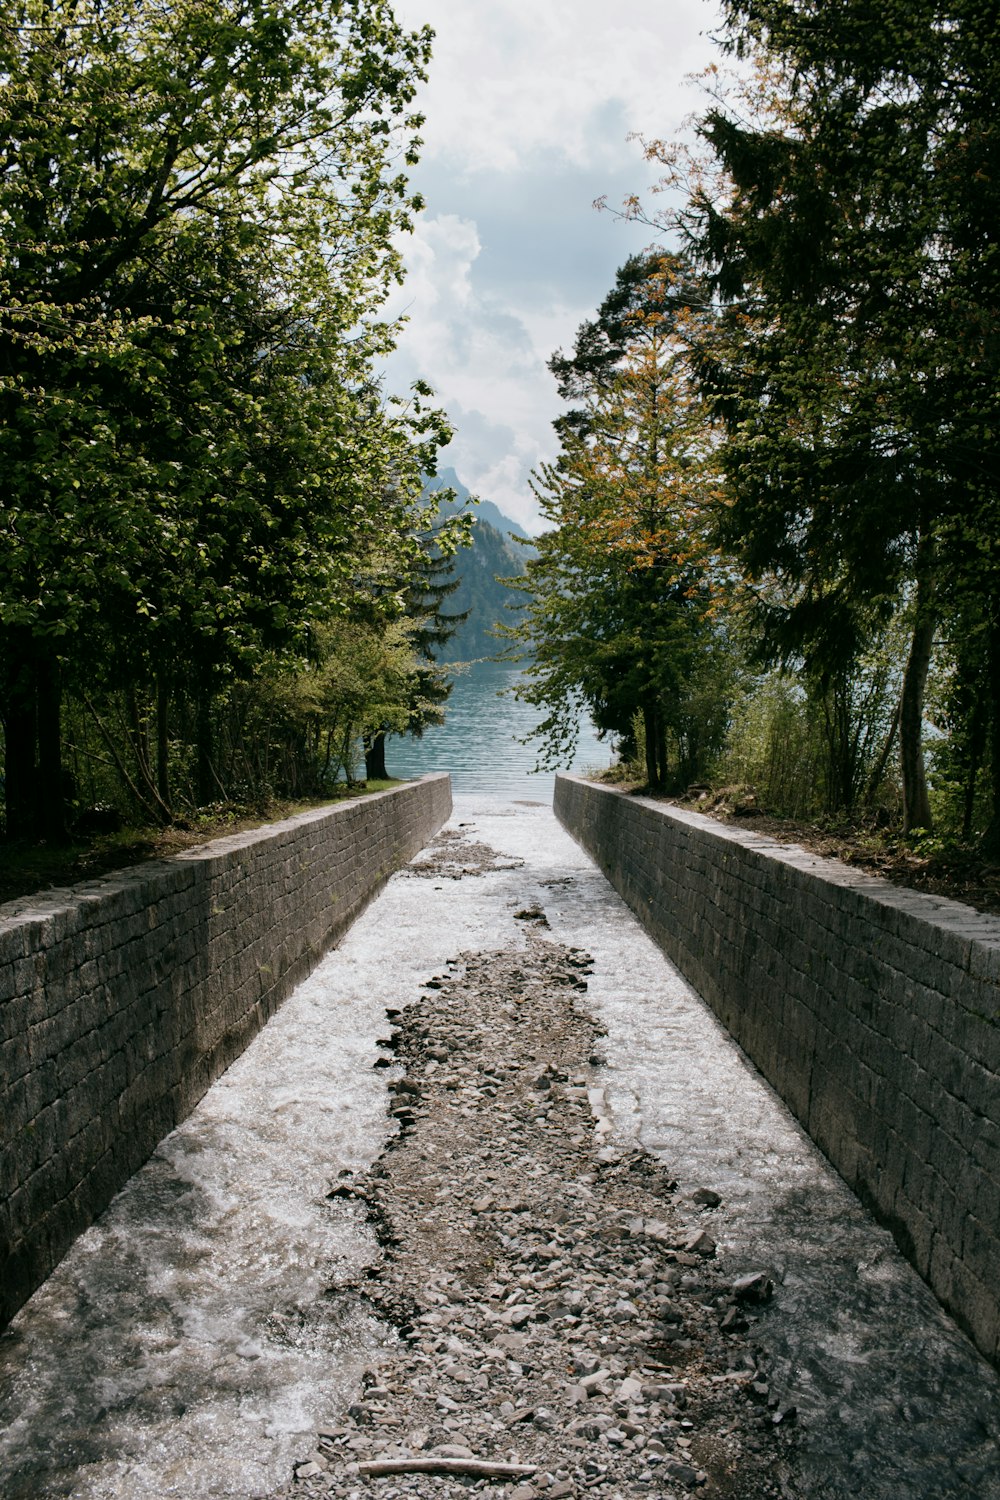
478, 1468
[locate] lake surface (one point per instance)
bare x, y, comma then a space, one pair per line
480, 741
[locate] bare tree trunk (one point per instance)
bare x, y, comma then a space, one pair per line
18, 701
916, 804
375, 769
162, 741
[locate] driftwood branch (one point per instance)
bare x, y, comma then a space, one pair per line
477, 1468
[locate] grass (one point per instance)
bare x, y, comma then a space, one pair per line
27, 868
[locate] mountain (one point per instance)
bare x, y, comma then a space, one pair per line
493, 555
483, 510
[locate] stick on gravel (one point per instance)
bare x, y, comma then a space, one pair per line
477, 1468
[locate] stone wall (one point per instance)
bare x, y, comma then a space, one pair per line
121, 1000
874, 1011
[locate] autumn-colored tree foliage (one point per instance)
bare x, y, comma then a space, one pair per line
621, 599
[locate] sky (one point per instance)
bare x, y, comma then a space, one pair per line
529, 105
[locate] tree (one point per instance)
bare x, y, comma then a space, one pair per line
429, 627
855, 367
197, 210
621, 597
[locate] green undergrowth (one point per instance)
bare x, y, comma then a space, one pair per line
28, 868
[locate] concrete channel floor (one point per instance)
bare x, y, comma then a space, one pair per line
181, 1348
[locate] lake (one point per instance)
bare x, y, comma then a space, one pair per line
479, 742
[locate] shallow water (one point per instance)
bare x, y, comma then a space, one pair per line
481, 741
185, 1348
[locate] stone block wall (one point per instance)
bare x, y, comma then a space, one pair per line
874, 1011
122, 999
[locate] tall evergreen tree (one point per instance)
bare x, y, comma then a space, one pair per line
857, 364
620, 598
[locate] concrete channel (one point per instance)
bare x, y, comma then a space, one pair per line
183, 1347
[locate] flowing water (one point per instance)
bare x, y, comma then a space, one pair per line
481, 742
184, 1346
189, 1344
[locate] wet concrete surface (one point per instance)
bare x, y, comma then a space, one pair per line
184, 1346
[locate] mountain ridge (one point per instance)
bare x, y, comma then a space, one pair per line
496, 552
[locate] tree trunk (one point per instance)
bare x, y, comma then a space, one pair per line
878, 770
375, 757
162, 740
916, 804
19, 703
991, 838
661, 749
204, 774
51, 809
31, 693
649, 735
977, 744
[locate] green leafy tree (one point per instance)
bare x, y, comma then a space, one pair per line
197, 209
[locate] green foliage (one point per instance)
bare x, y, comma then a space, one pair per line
842, 217
622, 597
774, 746
198, 211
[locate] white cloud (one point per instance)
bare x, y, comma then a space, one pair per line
512, 77
528, 111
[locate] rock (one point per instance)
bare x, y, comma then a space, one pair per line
513, 1343
667, 1393
591, 1427
755, 1287
533, 1267
700, 1243
706, 1197
683, 1473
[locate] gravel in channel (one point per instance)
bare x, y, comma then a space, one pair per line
556, 1303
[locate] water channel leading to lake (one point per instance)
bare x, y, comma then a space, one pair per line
190, 1343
